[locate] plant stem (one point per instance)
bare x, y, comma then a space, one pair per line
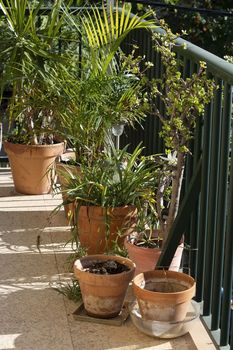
176, 189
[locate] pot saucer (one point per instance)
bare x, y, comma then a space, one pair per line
164, 329
81, 315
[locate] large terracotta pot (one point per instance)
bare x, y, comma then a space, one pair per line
32, 166
103, 295
98, 227
146, 259
62, 171
164, 295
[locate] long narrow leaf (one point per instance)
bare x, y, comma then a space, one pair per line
122, 20
103, 27
107, 30
99, 27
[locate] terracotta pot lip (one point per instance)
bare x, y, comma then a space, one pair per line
99, 206
33, 146
127, 241
118, 258
173, 275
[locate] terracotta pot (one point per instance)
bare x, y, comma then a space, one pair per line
103, 295
146, 259
32, 165
164, 295
98, 227
62, 169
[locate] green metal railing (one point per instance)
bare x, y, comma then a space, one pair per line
206, 212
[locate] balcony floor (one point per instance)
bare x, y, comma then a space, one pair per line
33, 316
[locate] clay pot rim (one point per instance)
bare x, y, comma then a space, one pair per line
110, 208
127, 241
99, 257
33, 146
169, 272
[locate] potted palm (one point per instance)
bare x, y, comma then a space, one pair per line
30, 68
109, 88
109, 91
108, 196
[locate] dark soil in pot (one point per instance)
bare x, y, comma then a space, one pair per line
109, 267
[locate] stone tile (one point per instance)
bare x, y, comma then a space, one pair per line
95, 336
33, 316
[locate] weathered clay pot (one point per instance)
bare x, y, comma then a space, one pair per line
98, 227
164, 295
146, 259
32, 166
103, 295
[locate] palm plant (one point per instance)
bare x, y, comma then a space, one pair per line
106, 31
110, 87
100, 102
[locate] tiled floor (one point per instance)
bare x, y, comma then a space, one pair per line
33, 316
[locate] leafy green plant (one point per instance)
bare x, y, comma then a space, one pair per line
110, 87
115, 179
30, 65
101, 102
184, 100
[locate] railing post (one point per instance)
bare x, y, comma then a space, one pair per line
213, 198
204, 201
221, 207
228, 260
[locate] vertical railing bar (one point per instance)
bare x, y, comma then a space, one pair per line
228, 262
162, 111
158, 73
231, 335
151, 119
187, 67
194, 222
212, 213
221, 207
152, 74
194, 226
186, 72
151, 56
204, 201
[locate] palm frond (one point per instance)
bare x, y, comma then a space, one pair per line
106, 31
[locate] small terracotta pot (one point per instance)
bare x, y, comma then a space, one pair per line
103, 295
164, 295
98, 227
32, 166
146, 259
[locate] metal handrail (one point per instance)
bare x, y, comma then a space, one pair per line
215, 64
